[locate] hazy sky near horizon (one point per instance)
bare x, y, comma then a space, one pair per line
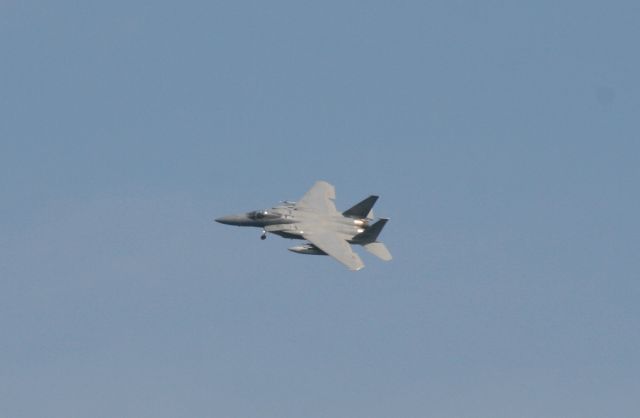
502, 137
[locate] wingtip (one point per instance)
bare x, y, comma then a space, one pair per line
357, 268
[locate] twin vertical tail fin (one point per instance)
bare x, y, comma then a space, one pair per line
362, 209
369, 238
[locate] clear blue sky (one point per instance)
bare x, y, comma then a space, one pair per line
503, 139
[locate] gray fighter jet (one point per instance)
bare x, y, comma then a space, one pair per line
315, 218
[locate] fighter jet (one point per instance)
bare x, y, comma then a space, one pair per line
314, 218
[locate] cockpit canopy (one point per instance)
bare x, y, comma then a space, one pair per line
259, 215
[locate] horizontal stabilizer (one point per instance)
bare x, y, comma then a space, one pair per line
362, 209
379, 250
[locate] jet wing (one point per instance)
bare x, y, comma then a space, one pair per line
319, 198
336, 247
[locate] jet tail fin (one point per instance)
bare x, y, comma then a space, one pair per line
368, 239
362, 209
371, 233
379, 250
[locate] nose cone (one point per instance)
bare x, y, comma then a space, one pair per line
238, 220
